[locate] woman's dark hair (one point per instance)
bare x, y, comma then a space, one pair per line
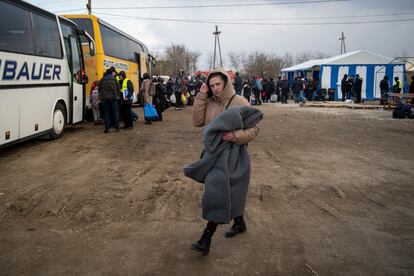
146, 76
212, 75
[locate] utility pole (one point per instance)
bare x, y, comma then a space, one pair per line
89, 7
342, 39
217, 43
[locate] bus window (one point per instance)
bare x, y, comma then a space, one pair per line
16, 30
84, 24
67, 31
76, 59
47, 40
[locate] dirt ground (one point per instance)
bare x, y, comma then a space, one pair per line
332, 193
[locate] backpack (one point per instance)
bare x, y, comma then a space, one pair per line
402, 110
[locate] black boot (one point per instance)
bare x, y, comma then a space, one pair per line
239, 226
203, 245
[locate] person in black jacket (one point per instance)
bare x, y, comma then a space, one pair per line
285, 90
247, 91
279, 88
358, 88
385, 89
297, 86
344, 87
269, 88
125, 103
350, 88
238, 84
109, 91
159, 100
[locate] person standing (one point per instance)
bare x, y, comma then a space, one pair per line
170, 88
309, 90
263, 94
385, 89
247, 91
411, 88
271, 89
178, 90
146, 91
109, 92
279, 89
214, 98
302, 91
396, 88
358, 88
159, 100
285, 90
344, 88
127, 89
350, 87
297, 86
95, 102
259, 89
238, 84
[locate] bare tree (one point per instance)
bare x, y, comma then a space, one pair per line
256, 63
319, 55
237, 60
308, 55
303, 57
287, 60
210, 58
266, 65
176, 58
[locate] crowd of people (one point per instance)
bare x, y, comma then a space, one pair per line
257, 90
112, 97
351, 87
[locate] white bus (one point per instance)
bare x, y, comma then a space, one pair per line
42, 79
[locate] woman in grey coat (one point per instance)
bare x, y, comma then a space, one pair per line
220, 203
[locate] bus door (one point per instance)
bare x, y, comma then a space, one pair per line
77, 96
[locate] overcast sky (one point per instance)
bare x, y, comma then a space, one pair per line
389, 38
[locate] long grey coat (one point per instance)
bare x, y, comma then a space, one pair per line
225, 166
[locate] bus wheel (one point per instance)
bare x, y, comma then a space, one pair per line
59, 122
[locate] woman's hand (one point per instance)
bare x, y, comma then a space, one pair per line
229, 136
204, 89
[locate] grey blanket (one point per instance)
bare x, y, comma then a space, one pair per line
225, 166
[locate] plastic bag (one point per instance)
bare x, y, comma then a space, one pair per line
183, 99
149, 112
173, 100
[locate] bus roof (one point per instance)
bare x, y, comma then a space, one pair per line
106, 24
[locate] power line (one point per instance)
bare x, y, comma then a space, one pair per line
319, 17
258, 23
214, 6
228, 5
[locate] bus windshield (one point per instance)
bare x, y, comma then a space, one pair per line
84, 24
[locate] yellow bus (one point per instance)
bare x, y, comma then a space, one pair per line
113, 48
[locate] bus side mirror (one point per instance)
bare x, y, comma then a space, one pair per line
91, 48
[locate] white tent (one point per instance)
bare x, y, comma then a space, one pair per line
329, 71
